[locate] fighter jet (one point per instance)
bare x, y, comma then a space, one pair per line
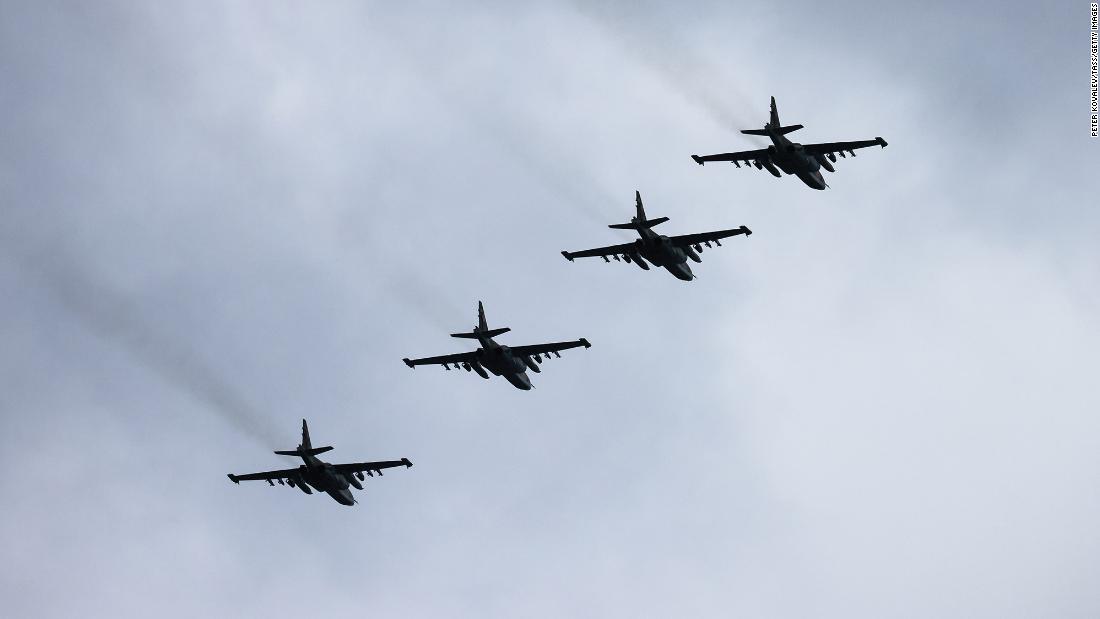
511, 362
672, 253
332, 479
803, 160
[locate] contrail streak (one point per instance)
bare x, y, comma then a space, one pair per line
694, 77
112, 317
576, 187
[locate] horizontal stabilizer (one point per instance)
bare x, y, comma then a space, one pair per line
779, 130
473, 335
636, 225
312, 451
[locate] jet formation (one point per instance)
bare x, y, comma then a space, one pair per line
802, 160
670, 252
335, 480
511, 362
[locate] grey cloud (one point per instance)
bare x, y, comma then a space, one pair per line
879, 404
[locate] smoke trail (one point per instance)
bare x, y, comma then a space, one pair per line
113, 318
576, 187
694, 77
414, 292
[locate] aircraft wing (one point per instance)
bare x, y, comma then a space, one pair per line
457, 358
610, 250
705, 237
266, 475
747, 156
356, 467
552, 347
840, 147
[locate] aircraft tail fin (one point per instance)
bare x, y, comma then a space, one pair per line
773, 125
482, 329
306, 444
639, 221
306, 448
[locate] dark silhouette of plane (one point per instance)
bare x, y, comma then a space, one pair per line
333, 479
670, 252
802, 160
511, 362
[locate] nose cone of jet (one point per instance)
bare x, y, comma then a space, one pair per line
683, 271
818, 181
344, 497
520, 380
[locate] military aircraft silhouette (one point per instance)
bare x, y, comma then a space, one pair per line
802, 160
511, 362
670, 252
332, 479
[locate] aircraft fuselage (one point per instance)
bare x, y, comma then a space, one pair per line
658, 250
789, 157
501, 361
324, 477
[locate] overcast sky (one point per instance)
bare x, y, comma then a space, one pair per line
218, 219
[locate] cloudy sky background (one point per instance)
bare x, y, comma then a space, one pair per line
220, 218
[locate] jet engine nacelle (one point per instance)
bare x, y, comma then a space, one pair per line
480, 370
301, 484
771, 168
825, 163
530, 363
